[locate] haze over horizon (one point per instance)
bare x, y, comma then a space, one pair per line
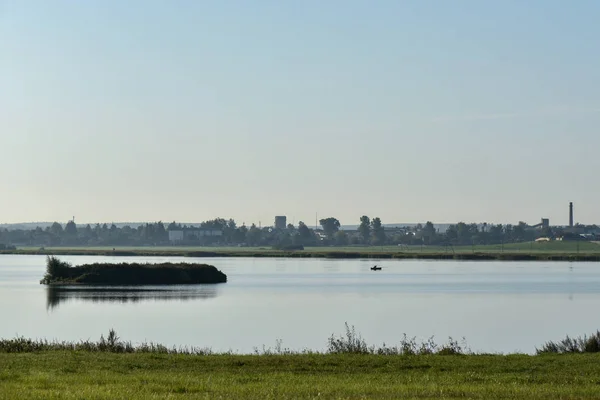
407, 111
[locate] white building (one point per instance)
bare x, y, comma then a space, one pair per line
176, 236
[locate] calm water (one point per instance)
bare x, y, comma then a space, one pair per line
496, 306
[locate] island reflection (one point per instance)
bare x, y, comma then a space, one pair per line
127, 294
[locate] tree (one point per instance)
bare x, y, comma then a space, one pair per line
330, 226
304, 233
71, 228
452, 234
466, 233
254, 236
147, 232
229, 230
173, 226
56, 229
160, 233
547, 232
240, 234
364, 229
496, 233
217, 223
341, 238
378, 232
428, 233
519, 233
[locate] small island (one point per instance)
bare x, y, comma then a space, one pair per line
63, 273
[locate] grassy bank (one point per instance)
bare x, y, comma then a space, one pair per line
350, 369
551, 251
77, 375
60, 272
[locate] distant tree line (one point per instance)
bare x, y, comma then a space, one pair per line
370, 231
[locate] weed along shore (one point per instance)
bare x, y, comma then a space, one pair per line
349, 369
60, 272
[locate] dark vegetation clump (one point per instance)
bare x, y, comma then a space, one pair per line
288, 247
61, 272
55, 268
585, 344
353, 343
350, 342
111, 344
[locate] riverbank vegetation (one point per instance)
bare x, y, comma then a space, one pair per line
61, 272
350, 342
584, 344
554, 251
111, 368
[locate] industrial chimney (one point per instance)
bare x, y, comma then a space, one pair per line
571, 214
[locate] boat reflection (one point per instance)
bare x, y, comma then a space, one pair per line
127, 294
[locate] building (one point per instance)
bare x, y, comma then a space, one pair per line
545, 224
192, 234
280, 222
175, 236
570, 215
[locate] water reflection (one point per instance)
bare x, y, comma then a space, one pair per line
127, 294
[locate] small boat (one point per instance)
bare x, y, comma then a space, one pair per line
375, 268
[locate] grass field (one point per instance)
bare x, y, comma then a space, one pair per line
573, 251
350, 369
79, 375
525, 246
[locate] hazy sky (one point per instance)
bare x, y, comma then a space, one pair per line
406, 110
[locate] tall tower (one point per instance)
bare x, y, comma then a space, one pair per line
280, 222
571, 214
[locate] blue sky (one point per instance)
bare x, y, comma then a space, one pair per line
406, 110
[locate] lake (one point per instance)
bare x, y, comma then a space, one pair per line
496, 306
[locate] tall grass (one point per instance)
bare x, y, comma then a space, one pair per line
582, 344
350, 342
55, 268
110, 344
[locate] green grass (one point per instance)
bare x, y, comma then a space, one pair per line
526, 247
113, 369
78, 375
557, 250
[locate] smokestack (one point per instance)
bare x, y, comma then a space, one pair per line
571, 214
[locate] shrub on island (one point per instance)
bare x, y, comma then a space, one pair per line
61, 272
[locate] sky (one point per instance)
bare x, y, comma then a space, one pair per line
409, 111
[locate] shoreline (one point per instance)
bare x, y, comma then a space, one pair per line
329, 254
111, 368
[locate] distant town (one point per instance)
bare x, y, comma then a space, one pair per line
281, 234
